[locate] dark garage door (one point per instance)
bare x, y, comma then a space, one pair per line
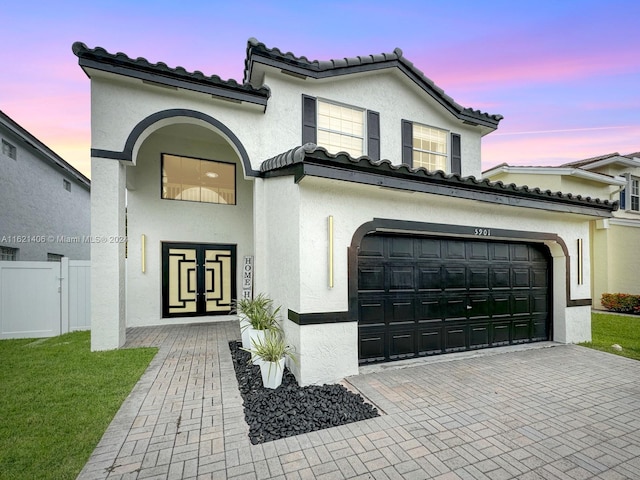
424, 296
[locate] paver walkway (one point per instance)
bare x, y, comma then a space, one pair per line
564, 412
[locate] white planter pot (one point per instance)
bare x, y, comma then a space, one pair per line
245, 325
272, 373
255, 336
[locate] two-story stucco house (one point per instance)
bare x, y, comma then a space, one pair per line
615, 260
45, 201
351, 183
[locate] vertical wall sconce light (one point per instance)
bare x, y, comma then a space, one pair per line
330, 231
143, 251
580, 263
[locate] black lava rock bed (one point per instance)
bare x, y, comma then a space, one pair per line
290, 409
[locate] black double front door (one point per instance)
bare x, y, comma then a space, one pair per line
198, 279
430, 295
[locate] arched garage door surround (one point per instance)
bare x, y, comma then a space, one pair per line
402, 309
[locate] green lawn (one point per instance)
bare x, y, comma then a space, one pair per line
608, 329
57, 399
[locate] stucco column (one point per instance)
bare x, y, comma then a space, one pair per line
108, 320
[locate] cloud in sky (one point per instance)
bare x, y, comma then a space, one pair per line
566, 72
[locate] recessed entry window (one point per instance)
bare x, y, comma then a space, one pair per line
54, 257
196, 180
341, 128
9, 150
429, 148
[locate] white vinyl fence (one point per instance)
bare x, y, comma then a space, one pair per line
44, 299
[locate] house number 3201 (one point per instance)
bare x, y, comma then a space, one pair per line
483, 232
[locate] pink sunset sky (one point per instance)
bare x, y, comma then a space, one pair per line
564, 74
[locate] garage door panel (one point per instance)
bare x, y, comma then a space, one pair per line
430, 309
520, 277
428, 248
521, 330
372, 246
429, 278
371, 312
478, 278
399, 247
500, 305
500, 277
401, 311
371, 278
426, 296
480, 306
429, 341
371, 346
521, 305
454, 278
401, 277
477, 251
540, 304
455, 307
479, 335
455, 338
402, 344
501, 333
539, 277
453, 250
519, 253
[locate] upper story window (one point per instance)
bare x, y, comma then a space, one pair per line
66, 184
431, 148
196, 180
341, 128
634, 194
9, 150
8, 254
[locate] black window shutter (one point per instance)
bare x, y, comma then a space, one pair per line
407, 142
309, 120
373, 135
623, 199
456, 154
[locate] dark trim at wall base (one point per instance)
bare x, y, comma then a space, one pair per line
318, 318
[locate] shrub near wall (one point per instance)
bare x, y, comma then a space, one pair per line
621, 302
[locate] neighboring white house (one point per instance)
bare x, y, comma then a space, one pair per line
46, 202
371, 260
615, 258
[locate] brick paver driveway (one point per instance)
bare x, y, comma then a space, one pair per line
563, 412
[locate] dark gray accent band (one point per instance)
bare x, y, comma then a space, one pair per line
127, 153
318, 318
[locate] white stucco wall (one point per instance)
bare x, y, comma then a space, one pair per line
162, 220
387, 92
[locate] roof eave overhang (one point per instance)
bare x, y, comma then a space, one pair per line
234, 95
395, 180
624, 161
44, 151
301, 71
561, 171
